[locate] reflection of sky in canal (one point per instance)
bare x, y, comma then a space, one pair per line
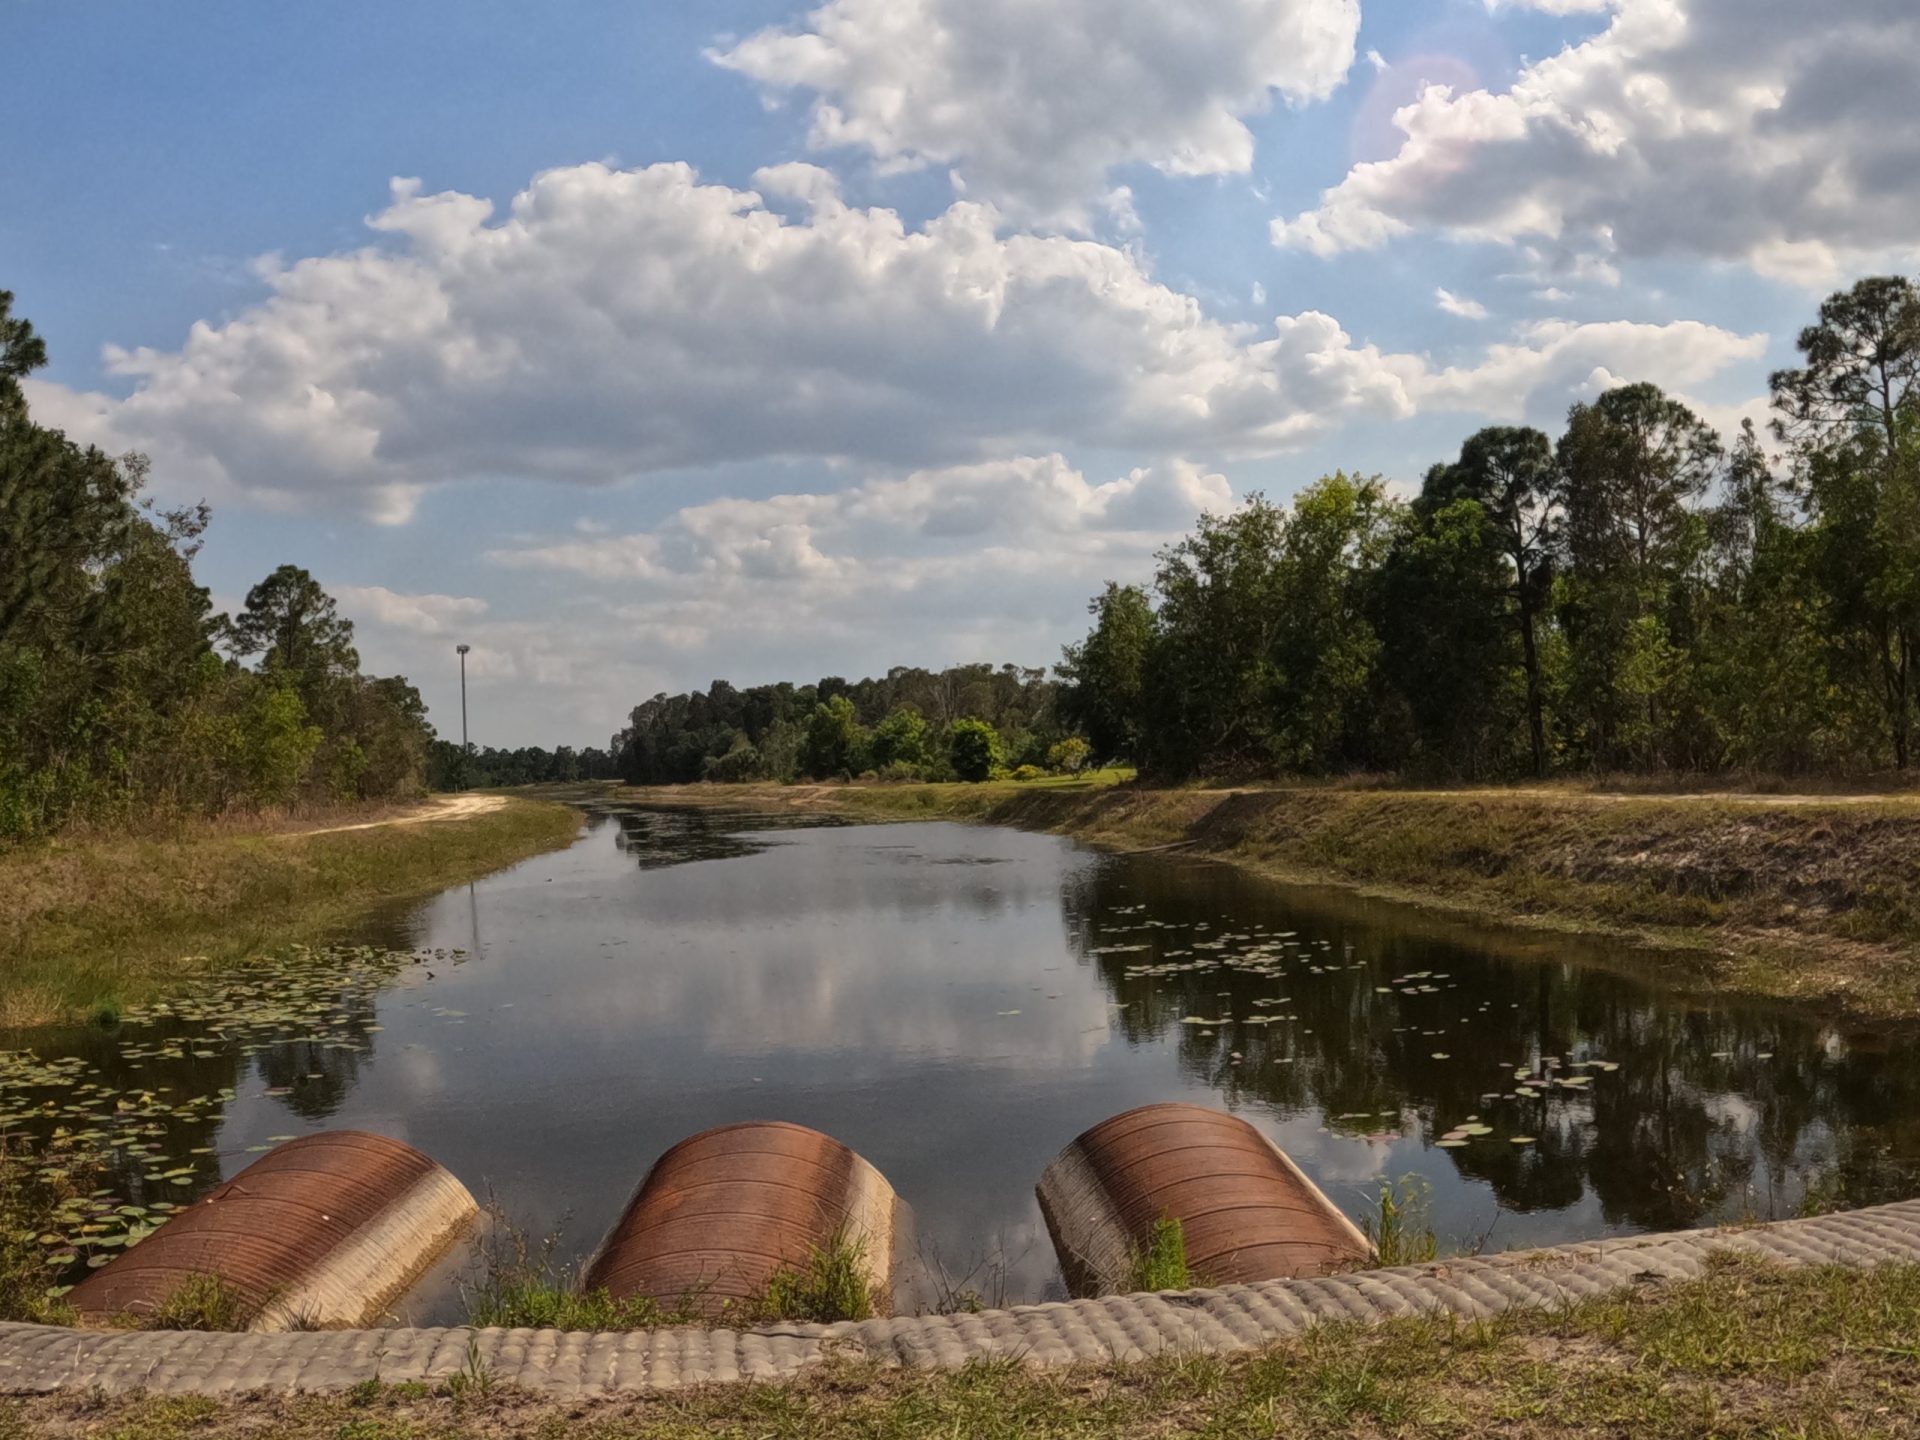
957, 1003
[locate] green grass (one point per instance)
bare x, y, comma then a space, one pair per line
1162, 1263
556, 1307
516, 1282
200, 1302
1401, 1227
91, 925
1744, 1352
830, 1286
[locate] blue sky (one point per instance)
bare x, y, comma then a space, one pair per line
961, 307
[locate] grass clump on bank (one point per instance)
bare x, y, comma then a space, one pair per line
1401, 1228
92, 926
1745, 1351
1161, 1264
200, 1302
830, 1286
518, 1282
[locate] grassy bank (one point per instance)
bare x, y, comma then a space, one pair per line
93, 924
1743, 1352
1804, 897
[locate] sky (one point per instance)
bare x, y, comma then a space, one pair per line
640, 345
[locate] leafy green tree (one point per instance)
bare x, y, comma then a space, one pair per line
113, 702
741, 763
1511, 473
1211, 682
901, 739
21, 353
1325, 646
1853, 411
836, 742
1105, 674
973, 749
1632, 465
1458, 670
276, 744
296, 629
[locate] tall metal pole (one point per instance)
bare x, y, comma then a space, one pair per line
465, 748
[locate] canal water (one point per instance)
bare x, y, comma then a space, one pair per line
957, 1003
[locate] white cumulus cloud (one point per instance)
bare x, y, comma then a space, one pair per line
1776, 133
616, 324
1461, 305
1032, 105
422, 614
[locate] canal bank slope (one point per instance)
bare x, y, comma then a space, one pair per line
90, 924
1800, 897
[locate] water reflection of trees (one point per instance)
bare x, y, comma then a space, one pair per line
169, 1096
660, 836
1693, 1126
317, 1074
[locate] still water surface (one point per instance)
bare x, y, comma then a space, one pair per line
957, 1002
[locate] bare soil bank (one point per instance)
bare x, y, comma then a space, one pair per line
1801, 897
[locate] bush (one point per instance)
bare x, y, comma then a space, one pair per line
973, 748
739, 764
1069, 755
1028, 772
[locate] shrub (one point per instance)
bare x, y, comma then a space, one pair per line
973, 748
1069, 755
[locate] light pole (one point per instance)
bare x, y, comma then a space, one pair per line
465, 749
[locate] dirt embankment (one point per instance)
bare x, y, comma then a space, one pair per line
1812, 897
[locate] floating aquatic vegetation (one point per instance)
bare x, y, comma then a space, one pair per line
132, 1152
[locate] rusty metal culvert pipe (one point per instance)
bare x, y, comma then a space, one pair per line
1247, 1211
723, 1211
323, 1231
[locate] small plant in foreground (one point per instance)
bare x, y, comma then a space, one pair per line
474, 1379
519, 1282
831, 1285
1401, 1228
1162, 1263
200, 1302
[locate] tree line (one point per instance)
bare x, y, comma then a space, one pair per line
451, 768
967, 722
1636, 594
123, 695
